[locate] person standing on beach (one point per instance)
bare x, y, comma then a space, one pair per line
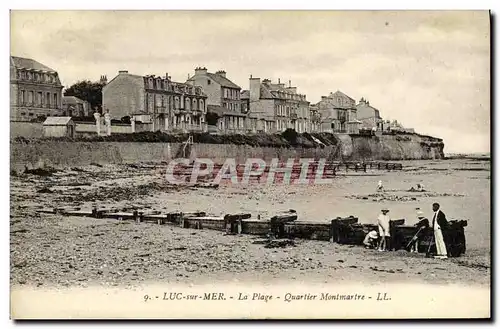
380, 187
384, 230
439, 225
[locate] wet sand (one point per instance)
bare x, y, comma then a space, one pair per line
51, 250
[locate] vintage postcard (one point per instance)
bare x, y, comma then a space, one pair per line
170, 164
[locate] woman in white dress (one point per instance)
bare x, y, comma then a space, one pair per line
384, 230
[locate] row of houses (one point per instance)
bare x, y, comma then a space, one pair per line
204, 102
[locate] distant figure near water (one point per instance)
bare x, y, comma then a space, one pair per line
418, 188
380, 187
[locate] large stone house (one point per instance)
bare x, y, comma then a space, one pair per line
223, 99
315, 124
35, 90
276, 107
157, 101
338, 113
369, 116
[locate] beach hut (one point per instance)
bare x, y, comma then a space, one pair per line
59, 127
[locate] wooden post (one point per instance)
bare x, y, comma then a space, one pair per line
239, 226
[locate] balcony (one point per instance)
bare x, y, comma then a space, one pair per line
197, 112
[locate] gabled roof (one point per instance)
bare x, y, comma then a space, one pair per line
225, 82
28, 63
57, 121
128, 75
265, 93
339, 93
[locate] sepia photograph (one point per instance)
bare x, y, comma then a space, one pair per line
250, 164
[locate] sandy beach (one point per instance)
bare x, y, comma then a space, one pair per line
50, 250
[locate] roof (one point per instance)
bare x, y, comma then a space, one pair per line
245, 94
224, 82
339, 93
72, 99
215, 109
28, 63
57, 121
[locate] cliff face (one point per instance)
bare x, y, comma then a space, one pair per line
391, 147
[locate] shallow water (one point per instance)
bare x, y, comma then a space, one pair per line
469, 200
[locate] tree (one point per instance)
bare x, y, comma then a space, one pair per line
88, 91
212, 118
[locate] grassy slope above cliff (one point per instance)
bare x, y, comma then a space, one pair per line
395, 146
287, 139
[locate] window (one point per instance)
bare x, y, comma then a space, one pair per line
47, 99
23, 75
30, 97
23, 97
236, 107
29, 75
31, 114
23, 113
224, 105
208, 81
39, 98
55, 101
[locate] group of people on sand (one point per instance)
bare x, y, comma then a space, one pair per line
381, 240
417, 188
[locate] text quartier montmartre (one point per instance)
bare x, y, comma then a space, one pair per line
323, 296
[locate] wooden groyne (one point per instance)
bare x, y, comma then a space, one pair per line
315, 169
286, 225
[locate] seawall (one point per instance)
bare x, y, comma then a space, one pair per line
55, 153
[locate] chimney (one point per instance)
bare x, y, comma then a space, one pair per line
278, 80
166, 76
122, 72
200, 70
290, 83
221, 73
254, 89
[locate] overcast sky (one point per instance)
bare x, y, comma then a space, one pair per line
428, 70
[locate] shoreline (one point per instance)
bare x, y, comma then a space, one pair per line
72, 251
